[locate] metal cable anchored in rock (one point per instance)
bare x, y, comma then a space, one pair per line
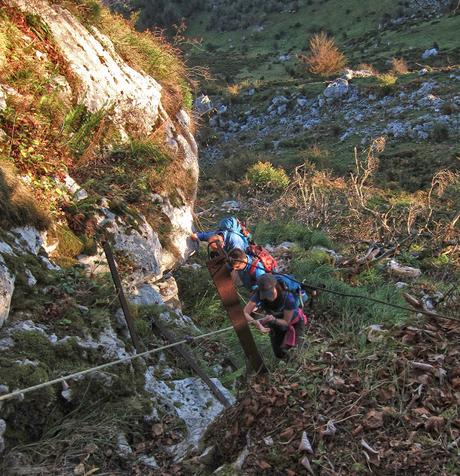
19, 393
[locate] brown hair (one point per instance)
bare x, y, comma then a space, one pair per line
237, 255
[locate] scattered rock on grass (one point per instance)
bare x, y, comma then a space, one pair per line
429, 53
337, 89
400, 270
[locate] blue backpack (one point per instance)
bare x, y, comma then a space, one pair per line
290, 284
234, 225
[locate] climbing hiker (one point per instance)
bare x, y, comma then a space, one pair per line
245, 268
230, 234
279, 297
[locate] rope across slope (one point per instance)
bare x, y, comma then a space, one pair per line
18, 393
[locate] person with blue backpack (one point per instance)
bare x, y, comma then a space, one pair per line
281, 298
230, 234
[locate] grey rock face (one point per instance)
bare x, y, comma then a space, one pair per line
141, 244
124, 450
145, 295
29, 238
149, 461
77, 192
6, 290
105, 77
396, 128
192, 401
278, 100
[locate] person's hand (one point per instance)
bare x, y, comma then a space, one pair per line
194, 237
264, 330
267, 319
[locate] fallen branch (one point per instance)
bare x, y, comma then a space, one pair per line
371, 257
415, 303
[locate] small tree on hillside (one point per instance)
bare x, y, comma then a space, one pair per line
324, 57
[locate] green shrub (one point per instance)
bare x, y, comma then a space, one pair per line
187, 97
233, 167
280, 231
351, 314
264, 176
440, 132
200, 298
317, 155
147, 150
82, 124
387, 83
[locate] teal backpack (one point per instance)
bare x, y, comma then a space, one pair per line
290, 284
234, 225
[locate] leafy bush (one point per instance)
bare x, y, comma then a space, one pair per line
199, 297
325, 58
440, 132
187, 97
386, 83
262, 175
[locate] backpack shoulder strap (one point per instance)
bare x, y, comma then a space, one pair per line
253, 268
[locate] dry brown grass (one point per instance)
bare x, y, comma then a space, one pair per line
368, 67
399, 66
18, 204
324, 58
357, 208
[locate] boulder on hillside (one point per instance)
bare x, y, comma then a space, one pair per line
360, 73
302, 101
430, 53
278, 100
202, 105
337, 89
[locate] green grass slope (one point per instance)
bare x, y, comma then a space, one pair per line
364, 30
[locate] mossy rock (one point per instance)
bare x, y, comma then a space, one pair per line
35, 346
26, 418
69, 246
119, 382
